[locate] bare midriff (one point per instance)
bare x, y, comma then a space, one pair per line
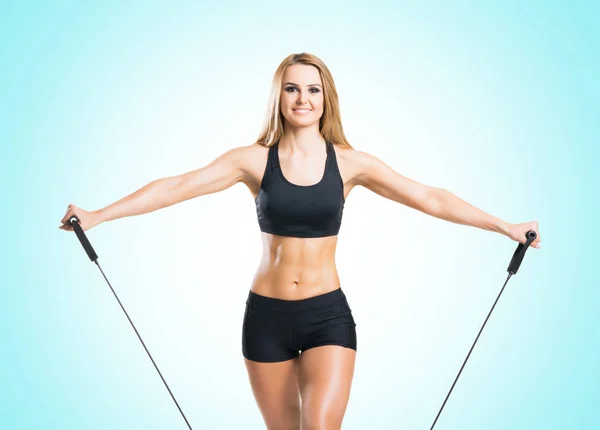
293, 268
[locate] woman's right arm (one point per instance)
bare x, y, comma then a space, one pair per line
225, 171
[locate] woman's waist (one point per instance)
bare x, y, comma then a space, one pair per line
288, 282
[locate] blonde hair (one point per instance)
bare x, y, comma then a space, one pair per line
330, 123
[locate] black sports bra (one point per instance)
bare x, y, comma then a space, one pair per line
288, 209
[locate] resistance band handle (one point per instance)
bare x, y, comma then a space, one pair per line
74, 221
517, 257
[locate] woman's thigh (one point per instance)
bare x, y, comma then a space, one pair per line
325, 380
272, 365
275, 388
326, 337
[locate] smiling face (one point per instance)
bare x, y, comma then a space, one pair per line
302, 95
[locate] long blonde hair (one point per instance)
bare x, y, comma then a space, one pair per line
330, 124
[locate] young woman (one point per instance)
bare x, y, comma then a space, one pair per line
298, 336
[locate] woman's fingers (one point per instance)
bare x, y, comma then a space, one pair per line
67, 214
71, 210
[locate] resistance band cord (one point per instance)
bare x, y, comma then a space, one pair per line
512, 269
473, 346
149, 355
74, 222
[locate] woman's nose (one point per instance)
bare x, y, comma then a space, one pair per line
302, 97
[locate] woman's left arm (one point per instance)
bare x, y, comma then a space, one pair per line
377, 176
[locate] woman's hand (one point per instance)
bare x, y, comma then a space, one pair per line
517, 233
87, 219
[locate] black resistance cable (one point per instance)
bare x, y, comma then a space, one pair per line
74, 222
513, 267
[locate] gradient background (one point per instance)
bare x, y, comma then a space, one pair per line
497, 103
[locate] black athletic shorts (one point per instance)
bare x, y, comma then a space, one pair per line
278, 330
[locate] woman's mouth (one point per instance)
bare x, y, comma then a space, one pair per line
302, 111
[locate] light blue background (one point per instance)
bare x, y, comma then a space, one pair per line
497, 103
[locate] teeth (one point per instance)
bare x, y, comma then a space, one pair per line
302, 110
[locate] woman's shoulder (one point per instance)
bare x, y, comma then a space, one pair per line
354, 158
349, 161
252, 159
248, 154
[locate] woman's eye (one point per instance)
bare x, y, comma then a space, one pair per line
290, 89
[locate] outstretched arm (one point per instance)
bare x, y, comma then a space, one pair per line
377, 176
222, 173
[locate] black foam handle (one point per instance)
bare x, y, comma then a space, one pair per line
74, 221
517, 257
